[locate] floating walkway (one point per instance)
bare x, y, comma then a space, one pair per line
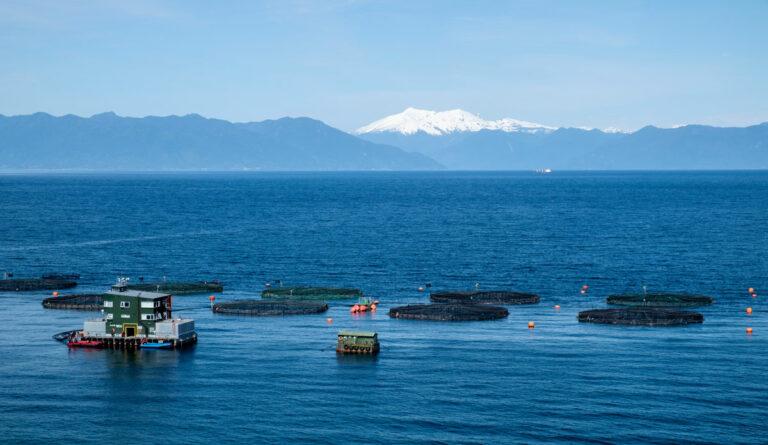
640, 316
449, 312
312, 293
80, 302
484, 297
660, 299
269, 308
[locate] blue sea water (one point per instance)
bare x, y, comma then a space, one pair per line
278, 380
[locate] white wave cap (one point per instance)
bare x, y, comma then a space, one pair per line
437, 123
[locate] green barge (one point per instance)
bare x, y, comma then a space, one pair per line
135, 319
357, 342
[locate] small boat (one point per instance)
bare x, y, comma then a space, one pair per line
158, 345
364, 305
85, 344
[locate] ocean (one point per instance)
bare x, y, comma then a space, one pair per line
279, 380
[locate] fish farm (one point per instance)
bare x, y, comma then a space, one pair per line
269, 308
449, 312
80, 302
484, 297
179, 288
640, 316
312, 293
660, 299
30, 284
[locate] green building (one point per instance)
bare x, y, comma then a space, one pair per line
131, 313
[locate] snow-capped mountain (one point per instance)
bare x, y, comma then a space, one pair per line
437, 123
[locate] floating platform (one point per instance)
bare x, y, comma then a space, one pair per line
312, 293
357, 342
179, 288
660, 299
119, 342
269, 308
449, 312
640, 316
30, 284
484, 297
80, 302
131, 343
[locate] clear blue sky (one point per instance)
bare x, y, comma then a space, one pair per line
574, 63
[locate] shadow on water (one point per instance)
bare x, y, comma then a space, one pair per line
357, 360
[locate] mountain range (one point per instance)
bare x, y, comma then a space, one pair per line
110, 142
463, 141
412, 140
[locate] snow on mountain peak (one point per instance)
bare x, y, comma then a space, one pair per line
437, 123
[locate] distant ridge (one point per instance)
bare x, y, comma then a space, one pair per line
107, 141
462, 141
434, 123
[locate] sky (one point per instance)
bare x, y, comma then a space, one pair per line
569, 63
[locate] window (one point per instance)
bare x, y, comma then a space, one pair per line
148, 316
125, 316
108, 303
147, 305
125, 304
110, 316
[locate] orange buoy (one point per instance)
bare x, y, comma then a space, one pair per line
531, 325
212, 297
329, 320
751, 290
749, 331
749, 311
55, 294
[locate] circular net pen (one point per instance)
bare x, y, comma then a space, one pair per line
449, 312
640, 316
484, 297
80, 302
269, 308
29, 284
179, 288
660, 299
312, 293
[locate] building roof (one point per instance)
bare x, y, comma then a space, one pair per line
357, 333
137, 293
